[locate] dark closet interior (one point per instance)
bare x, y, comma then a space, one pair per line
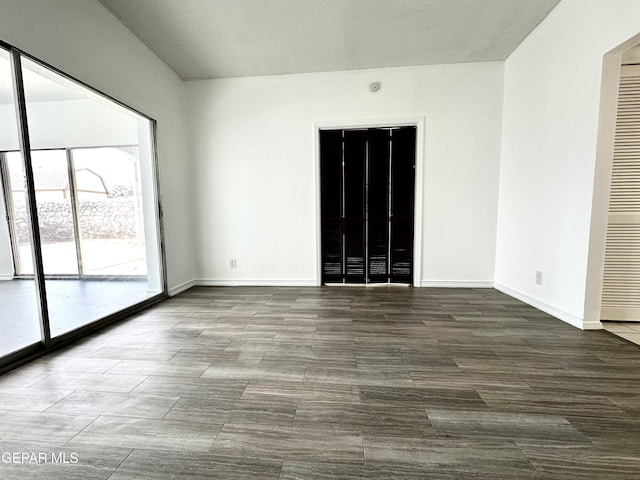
367, 179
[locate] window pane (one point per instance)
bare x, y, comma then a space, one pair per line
96, 200
109, 193
54, 214
19, 320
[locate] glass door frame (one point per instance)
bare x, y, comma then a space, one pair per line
46, 342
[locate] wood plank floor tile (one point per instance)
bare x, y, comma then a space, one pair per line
162, 465
355, 376
519, 426
247, 346
221, 467
152, 465
160, 353
463, 458
310, 444
130, 432
90, 382
365, 418
508, 367
630, 404
148, 367
598, 386
257, 411
618, 433
466, 380
63, 461
255, 372
119, 404
32, 426
379, 471
581, 462
76, 365
216, 355
25, 376
423, 397
322, 392
564, 404
30, 399
309, 357
213, 387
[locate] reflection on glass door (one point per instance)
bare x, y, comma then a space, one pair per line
19, 317
95, 180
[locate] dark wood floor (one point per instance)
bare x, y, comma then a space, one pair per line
323, 383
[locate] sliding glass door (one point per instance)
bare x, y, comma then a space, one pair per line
82, 237
19, 315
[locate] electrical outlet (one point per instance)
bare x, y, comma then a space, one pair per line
232, 263
539, 278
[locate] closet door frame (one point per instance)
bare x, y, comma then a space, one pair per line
417, 122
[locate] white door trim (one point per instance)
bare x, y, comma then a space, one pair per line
611, 64
417, 122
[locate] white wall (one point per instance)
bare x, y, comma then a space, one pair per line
550, 128
255, 183
82, 38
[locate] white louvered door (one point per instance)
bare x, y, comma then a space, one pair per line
621, 286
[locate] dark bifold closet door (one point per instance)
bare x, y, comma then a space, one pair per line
403, 154
354, 191
378, 218
367, 192
331, 208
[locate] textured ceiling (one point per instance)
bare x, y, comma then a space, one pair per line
202, 39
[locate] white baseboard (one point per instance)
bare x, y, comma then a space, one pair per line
592, 326
181, 288
620, 314
5, 276
222, 282
551, 310
456, 283
232, 282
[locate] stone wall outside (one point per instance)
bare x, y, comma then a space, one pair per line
109, 218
